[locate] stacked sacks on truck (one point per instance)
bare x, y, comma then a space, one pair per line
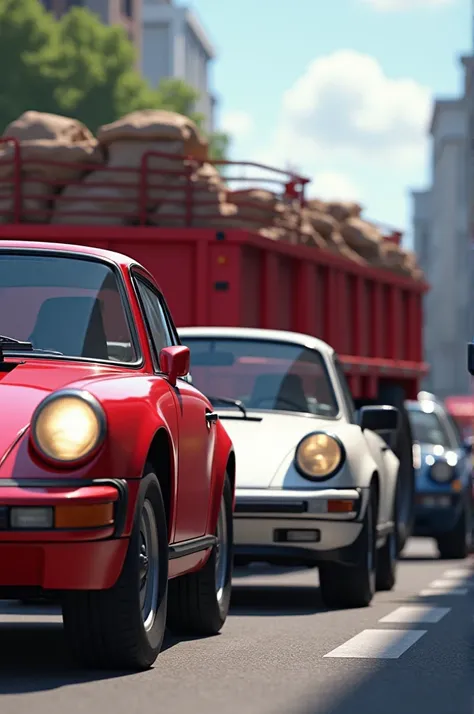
54, 150
152, 167
160, 139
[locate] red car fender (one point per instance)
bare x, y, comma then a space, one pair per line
224, 463
134, 418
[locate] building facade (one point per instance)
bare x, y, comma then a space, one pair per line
174, 44
442, 241
127, 13
170, 42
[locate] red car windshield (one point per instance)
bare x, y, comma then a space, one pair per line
263, 375
65, 305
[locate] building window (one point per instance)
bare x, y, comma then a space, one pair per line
74, 3
128, 8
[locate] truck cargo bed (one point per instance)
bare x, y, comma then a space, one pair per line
235, 277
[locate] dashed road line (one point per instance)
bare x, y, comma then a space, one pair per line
416, 614
438, 592
377, 644
465, 573
447, 583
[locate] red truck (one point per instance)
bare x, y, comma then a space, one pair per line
217, 275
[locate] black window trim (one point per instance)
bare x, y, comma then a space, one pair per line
337, 364
139, 275
324, 365
124, 298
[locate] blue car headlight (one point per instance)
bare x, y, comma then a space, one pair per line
441, 472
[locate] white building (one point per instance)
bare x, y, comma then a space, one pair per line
175, 45
442, 243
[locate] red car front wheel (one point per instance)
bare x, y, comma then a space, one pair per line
123, 627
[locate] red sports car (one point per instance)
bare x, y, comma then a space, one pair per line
116, 476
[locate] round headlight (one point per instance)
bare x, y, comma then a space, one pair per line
441, 472
319, 455
68, 426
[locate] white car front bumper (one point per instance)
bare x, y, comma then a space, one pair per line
309, 523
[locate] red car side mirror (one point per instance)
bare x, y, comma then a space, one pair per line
174, 362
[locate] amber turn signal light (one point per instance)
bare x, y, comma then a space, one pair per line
83, 516
341, 506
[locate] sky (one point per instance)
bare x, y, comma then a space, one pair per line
339, 90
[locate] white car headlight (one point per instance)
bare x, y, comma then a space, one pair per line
319, 455
68, 426
441, 472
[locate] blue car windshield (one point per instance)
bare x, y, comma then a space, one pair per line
427, 428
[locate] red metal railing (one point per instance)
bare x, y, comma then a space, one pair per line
139, 187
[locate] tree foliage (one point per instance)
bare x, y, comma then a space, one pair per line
78, 67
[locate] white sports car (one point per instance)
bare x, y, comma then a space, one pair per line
315, 483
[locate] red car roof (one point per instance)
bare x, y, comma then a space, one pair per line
122, 260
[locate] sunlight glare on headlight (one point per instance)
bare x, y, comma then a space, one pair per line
67, 429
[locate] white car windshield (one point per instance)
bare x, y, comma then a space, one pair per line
263, 375
64, 306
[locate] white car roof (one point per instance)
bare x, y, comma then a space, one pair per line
251, 333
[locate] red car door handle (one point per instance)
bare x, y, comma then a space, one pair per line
211, 417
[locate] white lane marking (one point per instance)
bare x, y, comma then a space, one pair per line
416, 613
378, 644
437, 592
459, 573
445, 584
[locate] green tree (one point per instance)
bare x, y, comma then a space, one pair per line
28, 40
79, 67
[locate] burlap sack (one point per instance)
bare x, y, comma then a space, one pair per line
362, 237
315, 204
151, 124
36, 204
94, 202
274, 233
309, 236
221, 220
392, 257
343, 210
55, 159
322, 223
204, 193
34, 126
256, 206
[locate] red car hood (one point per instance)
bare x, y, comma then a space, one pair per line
22, 389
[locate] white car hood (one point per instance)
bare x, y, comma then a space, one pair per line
262, 446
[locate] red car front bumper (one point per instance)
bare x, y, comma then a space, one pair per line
83, 547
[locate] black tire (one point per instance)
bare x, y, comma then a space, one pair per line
353, 585
387, 558
456, 544
195, 607
394, 395
105, 628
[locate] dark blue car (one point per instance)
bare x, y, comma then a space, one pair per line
443, 463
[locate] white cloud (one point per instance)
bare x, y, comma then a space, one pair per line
237, 123
333, 186
402, 5
344, 107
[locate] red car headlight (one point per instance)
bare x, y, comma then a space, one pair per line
68, 426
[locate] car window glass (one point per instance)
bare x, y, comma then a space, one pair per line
158, 328
457, 436
263, 374
427, 428
67, 305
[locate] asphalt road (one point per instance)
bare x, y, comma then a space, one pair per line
280, 652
